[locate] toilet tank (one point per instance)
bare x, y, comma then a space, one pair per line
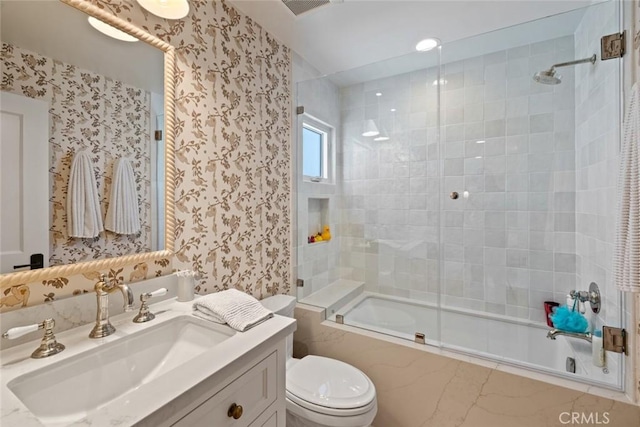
283, 305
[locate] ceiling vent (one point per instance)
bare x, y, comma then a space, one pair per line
299, 7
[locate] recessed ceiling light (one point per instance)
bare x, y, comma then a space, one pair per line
393, 110
168, 9
480, 142
378, 93
110, 31
478, 157
381, 138
427, 44
437, 82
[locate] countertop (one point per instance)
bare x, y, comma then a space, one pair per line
134, 407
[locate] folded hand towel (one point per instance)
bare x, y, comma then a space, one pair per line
123, 213
237, 309
84, 218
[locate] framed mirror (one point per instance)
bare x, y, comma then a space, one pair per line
87, 162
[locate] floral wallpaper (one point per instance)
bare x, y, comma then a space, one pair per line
232, 146
92, 112
233, 203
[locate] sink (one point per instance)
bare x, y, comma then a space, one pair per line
66, 391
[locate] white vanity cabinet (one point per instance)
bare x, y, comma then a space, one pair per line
253, 392
246, 398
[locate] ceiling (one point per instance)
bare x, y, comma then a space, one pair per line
345, 35
61, 32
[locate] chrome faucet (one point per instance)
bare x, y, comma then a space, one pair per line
103, 326
552, 334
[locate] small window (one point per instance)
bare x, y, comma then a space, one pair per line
316, 150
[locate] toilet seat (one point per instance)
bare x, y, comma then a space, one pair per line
322, 410
330, 387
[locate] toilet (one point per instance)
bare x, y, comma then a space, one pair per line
323, 392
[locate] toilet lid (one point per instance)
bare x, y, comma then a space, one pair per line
329, 383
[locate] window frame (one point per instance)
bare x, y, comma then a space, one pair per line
328, 142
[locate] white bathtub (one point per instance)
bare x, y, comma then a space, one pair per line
498, 338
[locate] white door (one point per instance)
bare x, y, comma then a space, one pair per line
24, 180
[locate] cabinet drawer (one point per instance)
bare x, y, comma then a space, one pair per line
254, 391
271, 422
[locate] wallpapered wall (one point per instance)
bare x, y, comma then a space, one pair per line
92, 112
232, 152
232, 146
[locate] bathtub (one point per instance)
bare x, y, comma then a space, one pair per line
497, 338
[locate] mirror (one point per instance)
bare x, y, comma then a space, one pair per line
82, 161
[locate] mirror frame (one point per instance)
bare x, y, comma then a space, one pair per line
30, 276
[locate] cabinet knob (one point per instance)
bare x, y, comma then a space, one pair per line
235, 411
454, 195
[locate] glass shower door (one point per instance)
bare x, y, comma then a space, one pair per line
380, 270
529, 176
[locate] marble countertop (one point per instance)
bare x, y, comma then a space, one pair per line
133, 407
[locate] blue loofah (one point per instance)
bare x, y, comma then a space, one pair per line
566, 319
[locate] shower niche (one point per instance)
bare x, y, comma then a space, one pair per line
317, 220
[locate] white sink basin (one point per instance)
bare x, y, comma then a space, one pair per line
66, 391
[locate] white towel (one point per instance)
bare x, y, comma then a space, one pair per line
123, 215
84, 218
237, 309
627, 250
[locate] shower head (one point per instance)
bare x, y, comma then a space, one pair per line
549, 77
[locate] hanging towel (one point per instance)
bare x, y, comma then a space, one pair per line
84, 218
123, 214
237, 309
627, 249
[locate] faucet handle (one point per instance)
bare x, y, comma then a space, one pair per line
581, 296
19, 331
592, 296
157, 293
49, 345
145, 315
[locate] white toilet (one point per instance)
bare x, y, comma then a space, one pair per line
323, 392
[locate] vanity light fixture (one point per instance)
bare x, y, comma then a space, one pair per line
110, 31
427, 44
167, 9
370, 129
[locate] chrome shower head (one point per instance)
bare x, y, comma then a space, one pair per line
548, 77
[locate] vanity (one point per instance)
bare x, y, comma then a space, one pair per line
176, 370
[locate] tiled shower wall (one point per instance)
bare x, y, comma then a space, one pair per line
390, 188
507, 141
597, 136
318, 263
